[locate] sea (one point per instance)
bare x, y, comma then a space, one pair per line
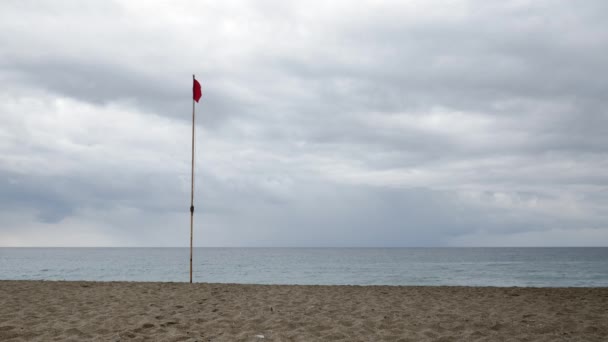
523, 267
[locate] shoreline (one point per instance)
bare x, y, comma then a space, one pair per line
304, 285
43, 310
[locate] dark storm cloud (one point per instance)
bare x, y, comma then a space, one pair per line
18, 192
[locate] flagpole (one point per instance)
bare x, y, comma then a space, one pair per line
192, 190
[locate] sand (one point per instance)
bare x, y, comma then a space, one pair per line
123, 311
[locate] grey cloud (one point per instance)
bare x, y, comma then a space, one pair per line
349, 126
18, 192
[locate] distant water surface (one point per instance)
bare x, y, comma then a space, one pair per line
547, 267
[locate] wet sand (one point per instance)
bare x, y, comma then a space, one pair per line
123, 311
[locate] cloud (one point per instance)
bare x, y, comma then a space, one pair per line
321, 124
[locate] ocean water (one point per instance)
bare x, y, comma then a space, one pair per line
547, 267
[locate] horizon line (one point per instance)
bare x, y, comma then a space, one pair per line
334, 247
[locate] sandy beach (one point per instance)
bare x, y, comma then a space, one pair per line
123, 311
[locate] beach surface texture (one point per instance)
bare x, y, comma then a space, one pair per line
124, 311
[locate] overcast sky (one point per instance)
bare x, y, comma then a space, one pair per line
322, 123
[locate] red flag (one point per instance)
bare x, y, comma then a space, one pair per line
196, 91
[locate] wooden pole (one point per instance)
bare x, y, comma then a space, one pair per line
192, 190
